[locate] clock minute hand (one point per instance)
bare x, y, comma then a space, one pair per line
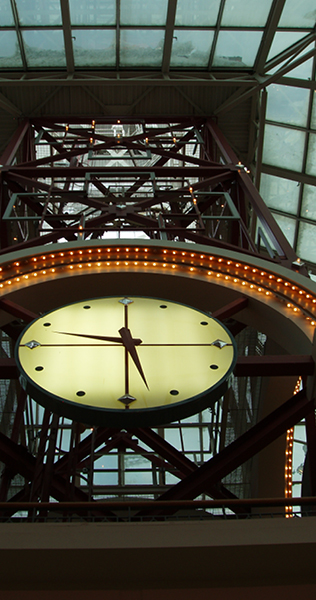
129, 344
104, 338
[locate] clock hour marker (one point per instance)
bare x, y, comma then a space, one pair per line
220, 344
32, 344
174, 392
39, 368
126, 301
163, 306
81, 393
204, 323
127, 399
214, 367
87, 306
46, 324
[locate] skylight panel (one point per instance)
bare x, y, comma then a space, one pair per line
306, 242
191, 48
94, 47
313, 120
298, 13
287, 104
94, 12
288, 226
6, 17
308, 209
283, 40
10, 56
141, 47
142, 12
237, 48
280, 194
39, 12
246, 13
196, 13
283, 147
311, 155
44, 48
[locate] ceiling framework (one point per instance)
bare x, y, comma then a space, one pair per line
75, 189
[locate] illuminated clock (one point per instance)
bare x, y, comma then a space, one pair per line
126, 361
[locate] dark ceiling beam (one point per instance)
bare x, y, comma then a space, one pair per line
171, 15
274, 366
231, 309
65, 13
9, 107
17, 311
269, 32
8, 369
160, 171
9, 153
242, 449
287, 174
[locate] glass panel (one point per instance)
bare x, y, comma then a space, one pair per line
94, 12
197, 12
311, 155
303, 71
142, 12
283, 40
287, 104
6, 17
288, 227
191, 48
141, 47
283, 147
309, 202
306, 243
246, 13
94, 47
9, 50
279, 193
39, 12
298, 13
237, 48
44, 48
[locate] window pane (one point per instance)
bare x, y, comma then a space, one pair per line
311, 155
287, 104
279, 193
306, 243
246, 13
309, 202
94, 47
197, 12
191, 48
237, 48
94, 12
6, 17
283, 40
9, 50
287, 225
298, 13
283, 147
39, 12
44, 48
142, 12
141, 47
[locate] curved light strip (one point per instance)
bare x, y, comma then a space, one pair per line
262, 284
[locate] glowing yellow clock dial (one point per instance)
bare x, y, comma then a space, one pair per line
123, 355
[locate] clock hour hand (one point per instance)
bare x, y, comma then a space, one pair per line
129, 344
104, 338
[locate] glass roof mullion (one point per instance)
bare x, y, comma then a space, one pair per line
268, 35
65, 12
18, 33
216, 32
171, 15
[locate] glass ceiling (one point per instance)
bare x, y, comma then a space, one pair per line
135, 34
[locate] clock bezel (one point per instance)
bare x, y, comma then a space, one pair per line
128, 418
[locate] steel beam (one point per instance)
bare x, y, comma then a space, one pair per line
242, 449
274, 366
8, 155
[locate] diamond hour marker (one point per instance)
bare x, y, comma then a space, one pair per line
32, 344
220, 344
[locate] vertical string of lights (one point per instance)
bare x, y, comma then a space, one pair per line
289, 459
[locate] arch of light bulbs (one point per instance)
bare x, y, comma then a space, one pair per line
296, 299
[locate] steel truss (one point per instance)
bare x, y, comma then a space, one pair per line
71, 179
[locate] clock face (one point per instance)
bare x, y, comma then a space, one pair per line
126, 361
